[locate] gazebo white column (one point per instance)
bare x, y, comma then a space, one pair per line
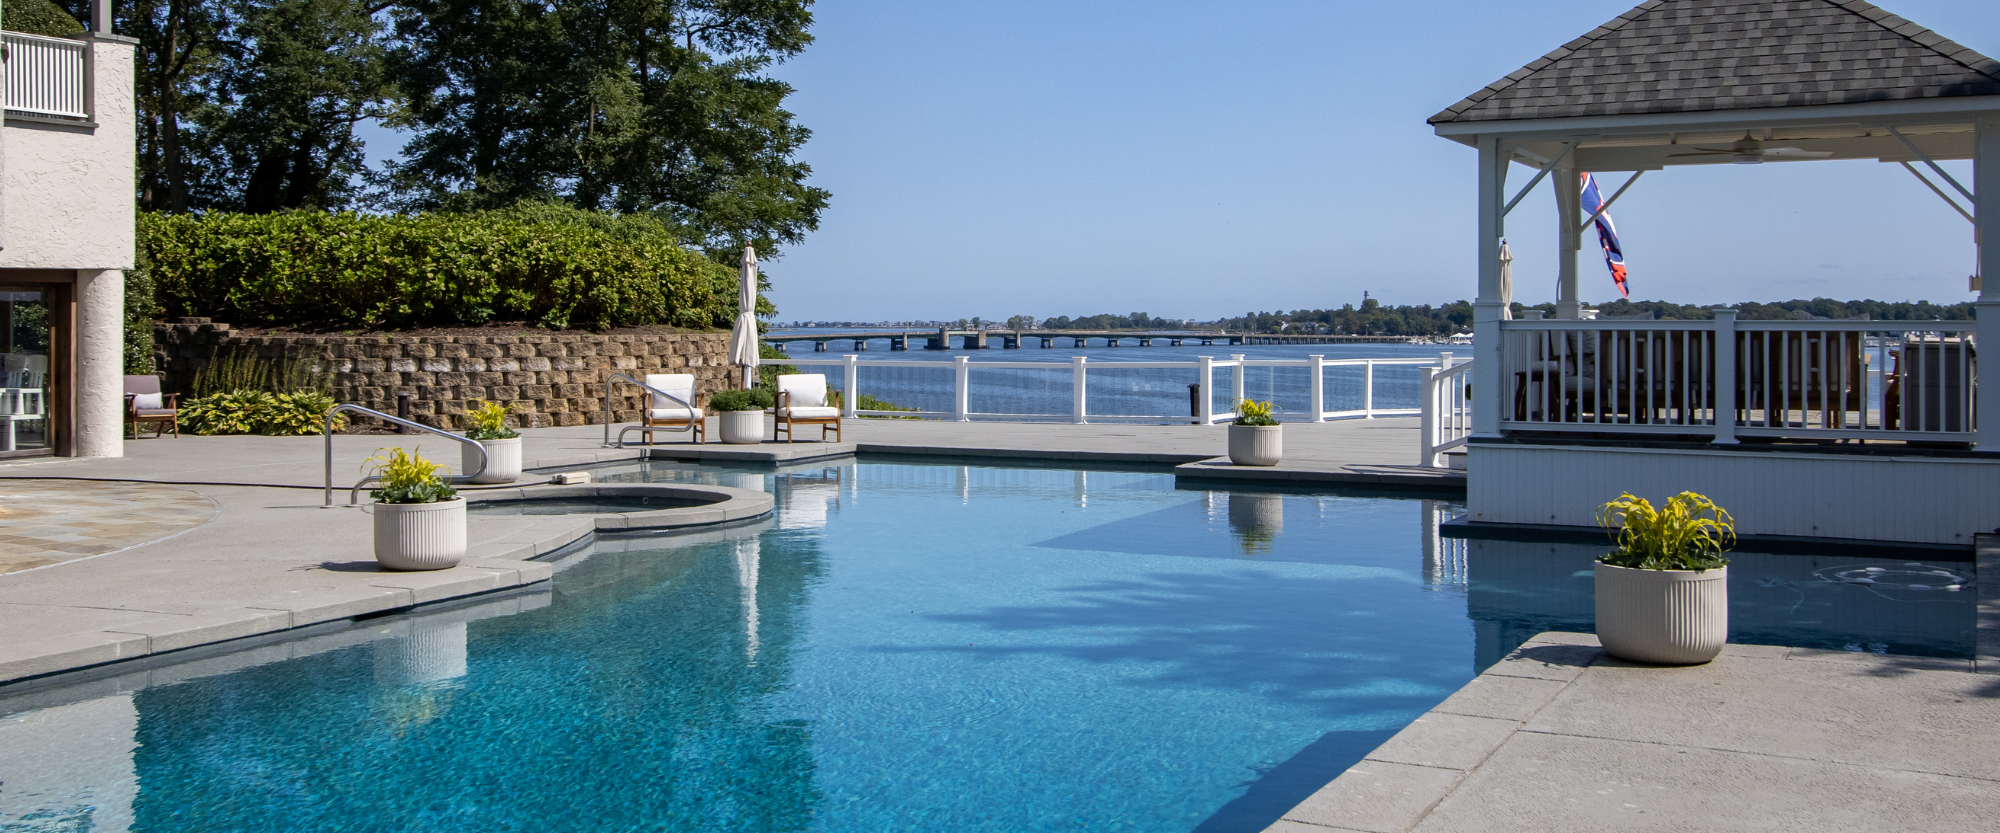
1569, 211
1986, 188
1488, 309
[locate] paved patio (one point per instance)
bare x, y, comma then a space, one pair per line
1560, 737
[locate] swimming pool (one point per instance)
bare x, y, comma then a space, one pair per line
902, 647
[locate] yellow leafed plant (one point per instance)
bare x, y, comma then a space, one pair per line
1690, 532
408, 478
1255, 413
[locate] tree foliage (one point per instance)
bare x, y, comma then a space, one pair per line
660, 107
40, 17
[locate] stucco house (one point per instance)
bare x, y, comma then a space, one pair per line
66, 239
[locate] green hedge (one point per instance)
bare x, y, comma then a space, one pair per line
39, 17
549, 266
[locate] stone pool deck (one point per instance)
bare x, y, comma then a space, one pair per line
1561, 737
194, 540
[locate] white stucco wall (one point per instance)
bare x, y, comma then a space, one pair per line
68, 191
1935, 500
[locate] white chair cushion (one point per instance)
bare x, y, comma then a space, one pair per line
806, 390
149, 400
673, 413
681, 385
811, 412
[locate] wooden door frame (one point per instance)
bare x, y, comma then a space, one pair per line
59, 286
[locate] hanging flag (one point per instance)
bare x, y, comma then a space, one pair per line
1607, 234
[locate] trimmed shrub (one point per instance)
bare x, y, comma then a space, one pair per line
550, 266
39, 17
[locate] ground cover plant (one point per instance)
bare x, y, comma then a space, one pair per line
754, 399
239, 392
1690, 532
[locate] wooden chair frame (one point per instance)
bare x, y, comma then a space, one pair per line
785, 423
134, 419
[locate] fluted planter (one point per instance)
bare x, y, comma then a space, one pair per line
420, 536
1665, 617
503, 460
1256, 445
742, 427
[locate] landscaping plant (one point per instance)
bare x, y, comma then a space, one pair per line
489, 421
1689, 533
408, 478
754, 399
1255, 413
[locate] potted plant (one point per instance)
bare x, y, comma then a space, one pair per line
419, 518
1255, 438
741, 413
1663, 594
502, 444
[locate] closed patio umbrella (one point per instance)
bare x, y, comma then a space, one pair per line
1506, 281
743, 337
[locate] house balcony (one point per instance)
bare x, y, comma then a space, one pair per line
48, 77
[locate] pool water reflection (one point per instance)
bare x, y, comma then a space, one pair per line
902, 647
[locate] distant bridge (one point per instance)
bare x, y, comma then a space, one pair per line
945, 338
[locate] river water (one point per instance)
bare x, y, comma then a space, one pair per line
1136, 394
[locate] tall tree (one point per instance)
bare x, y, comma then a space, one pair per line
660, 106
250, 105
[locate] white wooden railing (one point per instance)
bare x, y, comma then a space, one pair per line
1080, 368
1447, 411
47, 76
1905, 380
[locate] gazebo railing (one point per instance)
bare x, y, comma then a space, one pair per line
1906, 380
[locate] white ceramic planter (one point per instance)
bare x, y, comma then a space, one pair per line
420, 536
1256, 445
742, 427
1666, 617
503, 461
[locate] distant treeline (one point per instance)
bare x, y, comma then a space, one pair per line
1375, 319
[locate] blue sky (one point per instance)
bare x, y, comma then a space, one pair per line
1206, 159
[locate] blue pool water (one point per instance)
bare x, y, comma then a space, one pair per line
902, 648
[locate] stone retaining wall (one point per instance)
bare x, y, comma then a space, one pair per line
551, 379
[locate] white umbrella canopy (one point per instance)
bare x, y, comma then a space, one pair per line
1506, 281
743, 336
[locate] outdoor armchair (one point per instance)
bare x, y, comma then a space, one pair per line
662, 412
144, 404
802, 400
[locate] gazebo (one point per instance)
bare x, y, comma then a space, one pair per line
1827, 429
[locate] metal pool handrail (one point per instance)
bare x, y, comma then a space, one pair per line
354, 495
620, 443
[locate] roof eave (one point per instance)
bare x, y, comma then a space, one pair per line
1900, 110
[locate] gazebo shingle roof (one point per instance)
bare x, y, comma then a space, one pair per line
1670, 56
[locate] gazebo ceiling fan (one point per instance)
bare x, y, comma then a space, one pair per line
1749, 151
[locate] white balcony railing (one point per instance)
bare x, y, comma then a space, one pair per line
47, 76
1904, 380
1010, 384
1447, 411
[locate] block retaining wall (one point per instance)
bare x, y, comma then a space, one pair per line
551, 379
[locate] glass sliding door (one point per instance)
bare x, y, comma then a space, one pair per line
28, 330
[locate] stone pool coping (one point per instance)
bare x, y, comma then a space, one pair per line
1560, 736
222, 581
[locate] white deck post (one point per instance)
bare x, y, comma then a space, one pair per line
1428, 405
1079, 410
1487, 311
1236, 383
853, 372
1725, 377
1205, 409
1569, 213
1986, 186
1368, 389
962, 396
1316, 365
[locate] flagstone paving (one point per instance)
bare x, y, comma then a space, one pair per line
44, 522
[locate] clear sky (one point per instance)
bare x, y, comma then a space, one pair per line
1205, 159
